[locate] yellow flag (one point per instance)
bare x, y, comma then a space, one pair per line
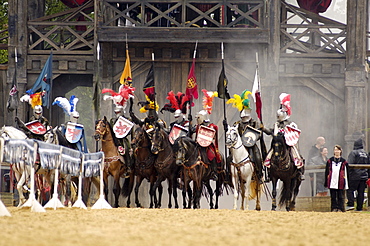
126, 77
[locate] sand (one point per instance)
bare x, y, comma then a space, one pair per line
141, 226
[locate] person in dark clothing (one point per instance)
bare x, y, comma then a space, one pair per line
315, 152
357, 177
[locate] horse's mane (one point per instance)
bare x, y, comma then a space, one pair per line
13, 132
176, 146
115, 139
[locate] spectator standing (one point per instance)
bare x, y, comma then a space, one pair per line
320, 177
315, 152
357, 177
336, 179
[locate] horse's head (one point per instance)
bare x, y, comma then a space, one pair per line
101, 128
278, 146
232, 136
50, 136
140, 137
8, 132
158, 140
183, 148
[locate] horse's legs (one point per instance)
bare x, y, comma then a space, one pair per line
116, 188
105, 181
274, 183
217, 191
139, 179
154, 189
247, 191
208, 186
160, 192
190, 195
234, 179
169, 189
20, 181
258, 192
174, 190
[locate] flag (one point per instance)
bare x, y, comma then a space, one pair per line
13, 100
222, 84
192, 86
149, 88
43, 82
126, 77
256, 94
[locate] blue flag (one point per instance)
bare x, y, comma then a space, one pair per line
43, 82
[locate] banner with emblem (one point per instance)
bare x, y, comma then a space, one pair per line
36, 127
205, 136
291, 135
250, 136
176, 132
122, 127
74, 132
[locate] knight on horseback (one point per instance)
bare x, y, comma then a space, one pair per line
122, 126
248, 129
73, 131
206, 134
37, 126
178, 106
290, 131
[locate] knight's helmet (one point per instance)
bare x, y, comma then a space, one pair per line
242, 103
177, 105
69, 107
284, 112
35, 100
119, 99
202, 116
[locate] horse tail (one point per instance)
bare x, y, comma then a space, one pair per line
253, 190
126, 187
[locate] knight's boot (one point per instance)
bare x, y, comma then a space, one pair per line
268, 175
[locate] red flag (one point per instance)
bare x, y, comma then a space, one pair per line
192, 86
257, 95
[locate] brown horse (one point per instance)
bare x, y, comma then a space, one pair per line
165, 163
114, 163
144, 167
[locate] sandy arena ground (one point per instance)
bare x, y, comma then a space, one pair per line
141, 226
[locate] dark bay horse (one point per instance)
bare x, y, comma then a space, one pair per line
283, 168
144, 167
114, 163
188, 155
165, 163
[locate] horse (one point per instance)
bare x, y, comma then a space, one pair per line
21, 171
144, 167
193, 169
283, 168
165, 163
242, 171
114, 163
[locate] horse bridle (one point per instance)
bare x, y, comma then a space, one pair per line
233, 140
185, 149
98, 128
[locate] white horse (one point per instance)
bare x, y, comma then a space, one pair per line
242, 170
21, 171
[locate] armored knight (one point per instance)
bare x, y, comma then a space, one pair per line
73, 131
206, 134
284, 125
249, 130
38, 124
178, 106
122, 126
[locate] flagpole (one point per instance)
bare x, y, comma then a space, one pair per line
15, 74
51, 86
224, 97
191, 97
155, 108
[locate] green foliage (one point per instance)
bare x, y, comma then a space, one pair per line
3, 27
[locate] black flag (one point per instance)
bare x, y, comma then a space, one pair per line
149, 88
222, 84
